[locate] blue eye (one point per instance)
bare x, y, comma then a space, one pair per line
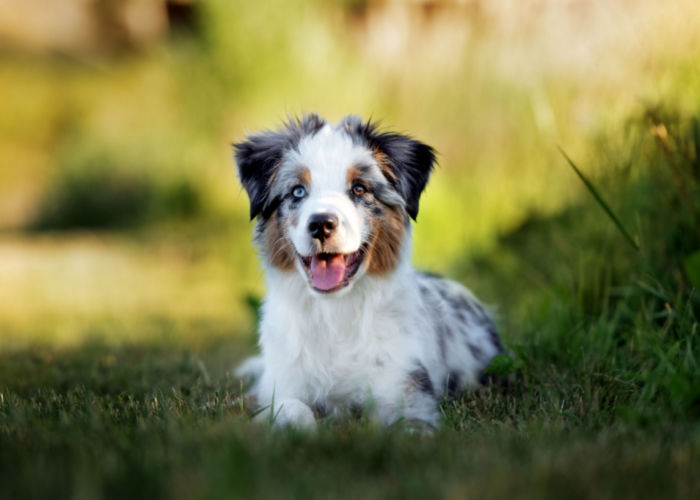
299, 192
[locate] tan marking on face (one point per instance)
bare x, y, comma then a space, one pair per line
305, 176
278, 248
351, 175
385, 246
383, 162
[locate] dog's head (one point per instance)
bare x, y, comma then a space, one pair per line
332, 201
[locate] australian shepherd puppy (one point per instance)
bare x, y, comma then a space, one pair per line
347, 323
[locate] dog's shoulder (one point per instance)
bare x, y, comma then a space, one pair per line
455, 295
453, 306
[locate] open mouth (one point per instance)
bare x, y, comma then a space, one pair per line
329, 272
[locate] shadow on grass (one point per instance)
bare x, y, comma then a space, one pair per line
136, 369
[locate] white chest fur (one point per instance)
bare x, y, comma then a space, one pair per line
347, 348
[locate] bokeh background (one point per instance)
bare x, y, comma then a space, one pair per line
129, 288
121, 217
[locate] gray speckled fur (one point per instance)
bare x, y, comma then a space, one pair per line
463, 327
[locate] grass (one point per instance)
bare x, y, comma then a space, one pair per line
600, 396
64, 290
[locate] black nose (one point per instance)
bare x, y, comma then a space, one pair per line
322, 225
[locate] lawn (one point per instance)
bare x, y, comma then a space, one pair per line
123, 314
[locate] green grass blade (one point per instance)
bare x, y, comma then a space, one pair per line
600, 200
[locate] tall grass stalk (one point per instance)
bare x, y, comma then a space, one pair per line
603, 204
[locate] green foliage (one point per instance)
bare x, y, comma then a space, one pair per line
503, 365
254, 304
600, 201
692, 268
95, 194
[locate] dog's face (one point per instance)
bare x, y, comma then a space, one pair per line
332, 202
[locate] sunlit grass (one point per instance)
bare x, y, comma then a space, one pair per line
63, 291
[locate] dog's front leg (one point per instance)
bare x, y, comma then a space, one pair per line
409, 397
287, 412
418, 411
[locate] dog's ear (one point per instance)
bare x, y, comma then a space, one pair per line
257, 158
412, 163
406, 161
260, 155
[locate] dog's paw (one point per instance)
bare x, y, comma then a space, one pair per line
418, 427
288, 412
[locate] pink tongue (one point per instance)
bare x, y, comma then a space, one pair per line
327, 273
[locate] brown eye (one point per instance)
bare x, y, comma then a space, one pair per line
359, 190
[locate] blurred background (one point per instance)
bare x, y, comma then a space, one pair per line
121, 218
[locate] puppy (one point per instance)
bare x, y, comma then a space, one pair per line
347, 323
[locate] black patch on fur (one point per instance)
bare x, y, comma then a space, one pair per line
261, 154
452, 384
443, 332
425, 290
363, 169
319, 410
489, 379
493, 335
385, 195
410, 161
421, 380
477, 311
356, 411
459, 303
476, 351
376, 211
